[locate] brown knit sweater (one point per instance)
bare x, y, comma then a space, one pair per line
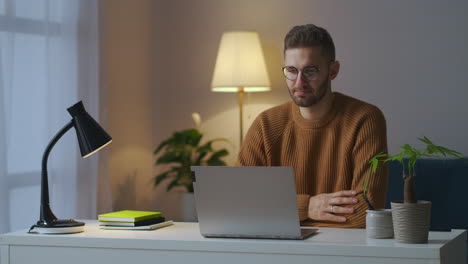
328, 155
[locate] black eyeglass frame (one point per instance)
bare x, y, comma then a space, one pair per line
299, 70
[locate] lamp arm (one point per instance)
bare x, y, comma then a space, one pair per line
46, 213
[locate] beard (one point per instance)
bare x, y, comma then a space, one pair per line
310, 99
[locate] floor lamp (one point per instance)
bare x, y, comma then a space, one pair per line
240, 67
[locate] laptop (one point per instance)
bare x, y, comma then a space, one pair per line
247, 202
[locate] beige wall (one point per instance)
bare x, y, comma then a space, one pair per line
186, 42
188, 37
391, 54
127, 48
409, 61
407, 57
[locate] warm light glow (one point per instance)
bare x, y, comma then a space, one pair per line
237, 89
240, 64
97, 149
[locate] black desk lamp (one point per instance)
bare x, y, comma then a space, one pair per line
91, 138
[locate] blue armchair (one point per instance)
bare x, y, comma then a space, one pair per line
444, 183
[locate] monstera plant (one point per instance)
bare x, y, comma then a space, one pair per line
182, 150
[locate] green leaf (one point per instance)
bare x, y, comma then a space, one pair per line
425, 140
205, 148
198, 160
366, 183
163, 144
407, 148
412, 154
436, 151
161, 177
183, 148
173, 184
412, 162
374, 163
454, 153
190, 137
169, 157
219, 154
398, 157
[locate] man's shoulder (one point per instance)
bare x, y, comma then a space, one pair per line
351, 106
284, 108
277, 115
271, 123
264, 132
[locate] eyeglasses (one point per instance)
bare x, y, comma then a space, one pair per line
309, 73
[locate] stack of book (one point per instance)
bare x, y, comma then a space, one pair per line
128, 219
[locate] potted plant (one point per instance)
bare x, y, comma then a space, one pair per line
182, 150
175, 157
411, 218
379, 222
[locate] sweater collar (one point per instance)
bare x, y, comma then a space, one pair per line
304, 123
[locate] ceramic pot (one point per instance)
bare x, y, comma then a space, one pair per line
379, 223
411, 221
188, 212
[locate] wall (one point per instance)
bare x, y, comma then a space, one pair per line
127, 49
407, 57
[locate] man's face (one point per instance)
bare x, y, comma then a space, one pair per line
305, 92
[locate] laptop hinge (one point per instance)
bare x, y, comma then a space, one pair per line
193, 177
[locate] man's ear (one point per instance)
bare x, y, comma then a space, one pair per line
334, 69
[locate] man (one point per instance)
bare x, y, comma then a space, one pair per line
327, 137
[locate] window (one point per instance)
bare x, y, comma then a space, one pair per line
39, 73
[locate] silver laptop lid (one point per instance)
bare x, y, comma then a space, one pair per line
251, 202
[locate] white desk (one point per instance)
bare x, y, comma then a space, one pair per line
182, 243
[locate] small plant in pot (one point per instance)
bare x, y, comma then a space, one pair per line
175, 157
182, 150
411, 218
378, 221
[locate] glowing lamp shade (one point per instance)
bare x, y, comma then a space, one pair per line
240, 66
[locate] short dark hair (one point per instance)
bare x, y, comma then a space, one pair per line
310, 36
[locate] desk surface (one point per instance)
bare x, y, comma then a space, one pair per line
186, 236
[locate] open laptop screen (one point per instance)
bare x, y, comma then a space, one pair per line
250, 202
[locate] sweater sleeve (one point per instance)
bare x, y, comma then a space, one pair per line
303, 206
371, 140
253, 150
254, 153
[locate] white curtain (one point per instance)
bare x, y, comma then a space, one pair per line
48, 61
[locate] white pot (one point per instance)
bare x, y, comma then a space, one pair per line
379, 223
188, 212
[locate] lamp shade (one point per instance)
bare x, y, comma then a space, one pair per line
240, 64
91, 136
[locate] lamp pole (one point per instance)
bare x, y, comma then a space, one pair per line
241, 103
46, 215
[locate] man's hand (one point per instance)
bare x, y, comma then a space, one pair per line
324, 206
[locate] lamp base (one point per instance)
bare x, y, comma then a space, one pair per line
68, 226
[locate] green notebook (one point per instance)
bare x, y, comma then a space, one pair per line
128, 216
